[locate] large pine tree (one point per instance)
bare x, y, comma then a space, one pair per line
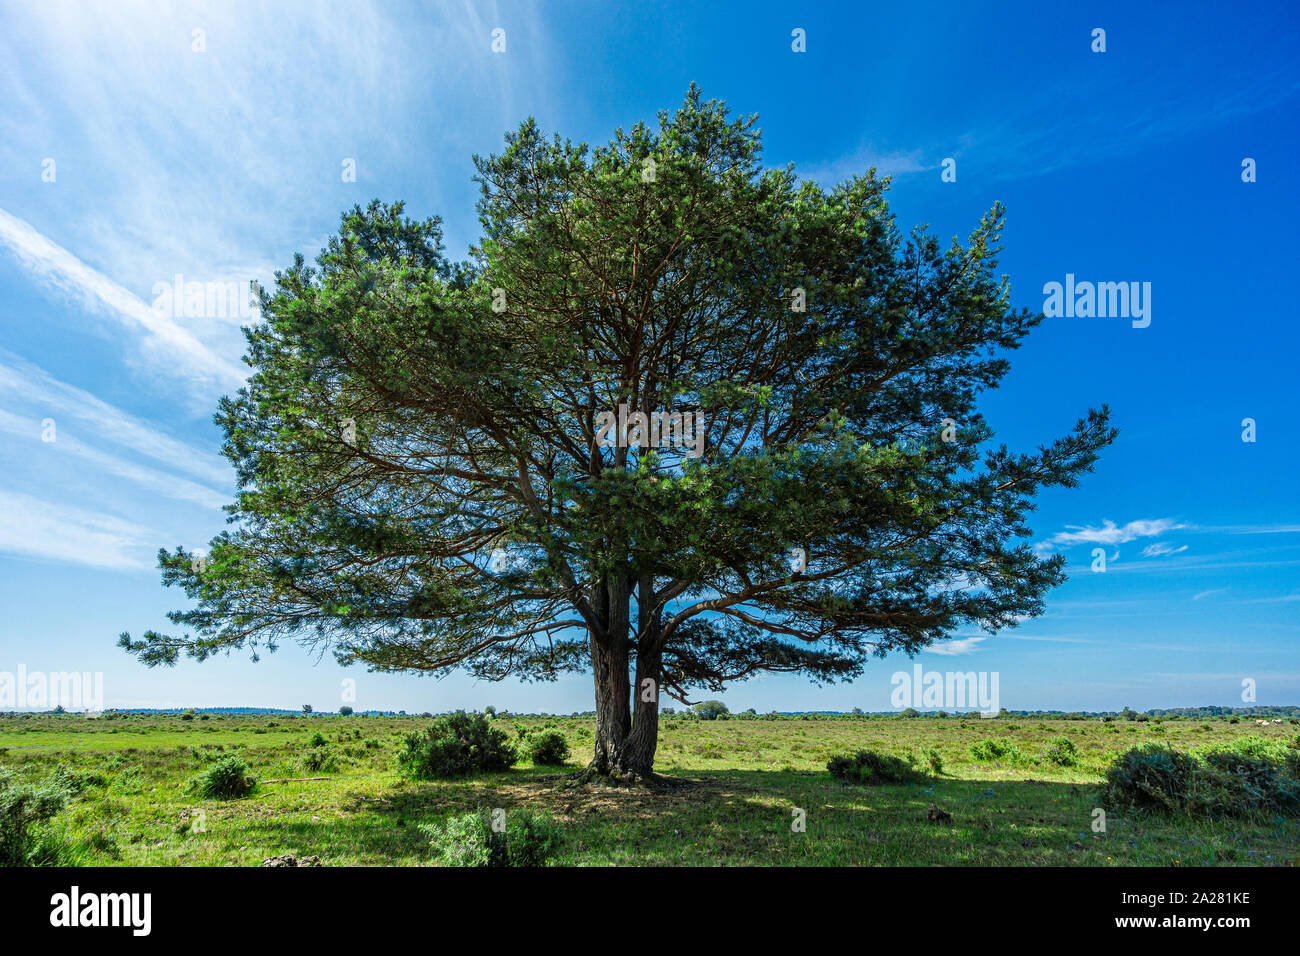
426, 481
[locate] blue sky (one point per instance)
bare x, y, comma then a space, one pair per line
219, 164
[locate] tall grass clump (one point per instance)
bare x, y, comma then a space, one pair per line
223, 779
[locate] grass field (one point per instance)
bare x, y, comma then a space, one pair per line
735, 788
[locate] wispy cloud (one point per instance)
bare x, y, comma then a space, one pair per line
171, 348
42, 529
956, 646
150, 479
1161, 549
24, 385
1110, 533
1212, 591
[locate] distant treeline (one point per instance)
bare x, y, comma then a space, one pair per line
716, 710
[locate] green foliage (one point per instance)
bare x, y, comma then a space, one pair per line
319, 760
711, 710
1223, 784
223, 779
527, 839
824, 428
934, 760
1061, 751
990, 749
453, 746
23, 810
547, 747
869, 767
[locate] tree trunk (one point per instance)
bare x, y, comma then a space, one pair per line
639, 751
627, 719
609, 667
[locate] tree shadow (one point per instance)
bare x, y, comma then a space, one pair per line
740, 817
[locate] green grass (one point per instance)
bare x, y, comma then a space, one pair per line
737, 785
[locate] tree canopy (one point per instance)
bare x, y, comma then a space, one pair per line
428, 478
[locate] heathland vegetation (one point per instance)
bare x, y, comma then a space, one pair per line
470, 789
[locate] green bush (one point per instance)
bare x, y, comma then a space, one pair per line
223, 779
528, 839
24, 809
319, 760
934, 759
547, 747
454, 746
1062, 752
990, 749
869, 767
1225, 783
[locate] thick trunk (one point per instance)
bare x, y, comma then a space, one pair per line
639, 751
627, 718
609, 666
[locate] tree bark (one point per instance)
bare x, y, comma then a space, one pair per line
609, 667
627, 718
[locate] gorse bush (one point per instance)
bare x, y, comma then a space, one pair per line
1222, 784
547, 748
24, 808
990, 749
223, 779
454, 746
524, 839
319, 760
1062, 752
869, 767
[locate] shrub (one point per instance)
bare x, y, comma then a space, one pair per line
319, 760
547, 747
223, 779
1062, 752
75, 781
528, 839
317, 740
1226, 783
454, 746
1239, 785
24, 808
990, 749
869, 767
934, 759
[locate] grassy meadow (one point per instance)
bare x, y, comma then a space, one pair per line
733, 789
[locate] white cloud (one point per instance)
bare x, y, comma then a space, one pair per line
151, 479
43, 396
42, 529
1110, 533
956, 647
1205, 594
1161, 549
172, 348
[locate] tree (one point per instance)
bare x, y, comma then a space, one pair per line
429, 478
345, 711
711, 709
306, 708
